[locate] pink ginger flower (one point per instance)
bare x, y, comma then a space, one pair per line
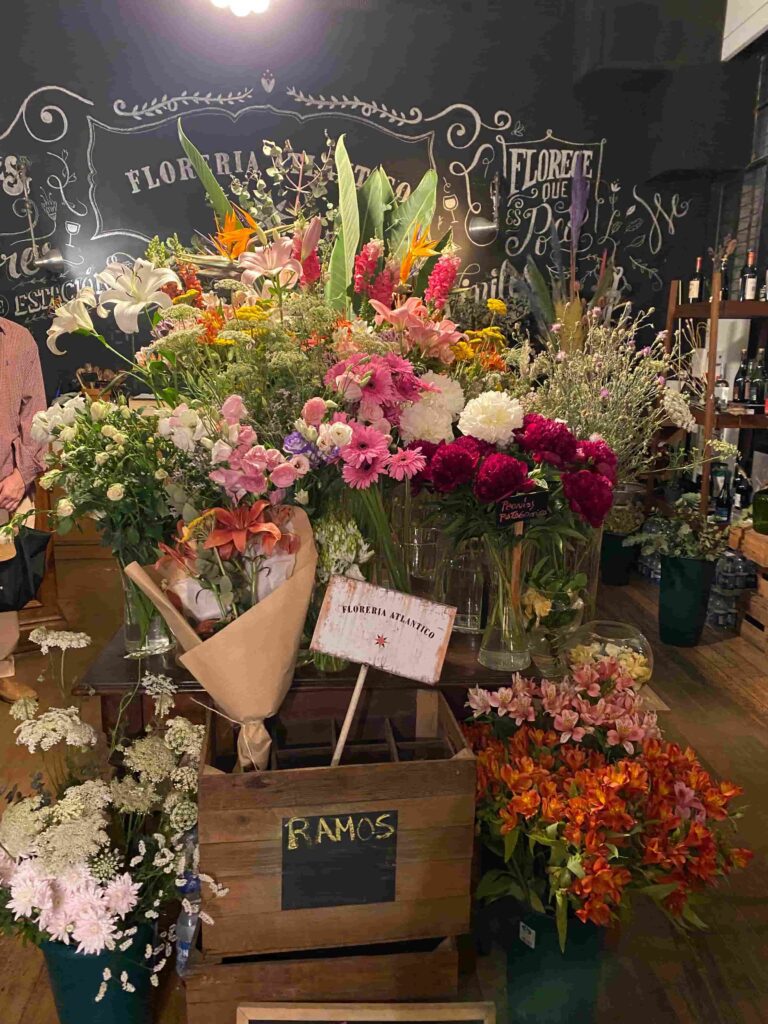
567, 724
441, 280
405, 463
479, 701
367, 265
625, 733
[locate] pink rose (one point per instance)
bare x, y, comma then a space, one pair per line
313, 411
284, 475
233, 409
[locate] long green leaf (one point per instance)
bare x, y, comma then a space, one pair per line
561, 914
221, 205
370, 199
416, 212
349, 212
336, 285
540, 289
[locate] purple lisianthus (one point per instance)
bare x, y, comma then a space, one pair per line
296, 444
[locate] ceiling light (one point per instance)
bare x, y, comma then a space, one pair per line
242, 8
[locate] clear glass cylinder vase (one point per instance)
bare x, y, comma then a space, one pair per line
504, 646
145, 630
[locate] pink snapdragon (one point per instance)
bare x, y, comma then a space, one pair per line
304, 251
367, 265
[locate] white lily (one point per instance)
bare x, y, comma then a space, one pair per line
133, 289
71, 316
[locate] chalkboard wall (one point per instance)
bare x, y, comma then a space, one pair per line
92, 92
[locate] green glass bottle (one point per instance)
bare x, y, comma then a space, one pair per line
760, 511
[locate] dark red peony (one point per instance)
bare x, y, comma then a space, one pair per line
452, 465
547, 440
599, 455
500, 476
476, 448
589, 494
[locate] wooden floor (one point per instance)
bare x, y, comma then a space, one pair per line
718, 699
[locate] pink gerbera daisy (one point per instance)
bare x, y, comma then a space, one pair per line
406, 463
361, 477
367, 445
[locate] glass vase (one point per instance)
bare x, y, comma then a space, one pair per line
145, 630
504, 646
605, 639
548, 636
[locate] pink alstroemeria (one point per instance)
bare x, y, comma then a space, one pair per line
626, 733
566, 723
274, 262
479, 701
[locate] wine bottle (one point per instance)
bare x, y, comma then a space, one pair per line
740, 380
741, 496
722, 388
696, 283
723, 503
756, 395
725, 280
748, 279
760, 511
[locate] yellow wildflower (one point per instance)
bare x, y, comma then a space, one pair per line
185, 297
463, 351
196, 527
535, 604
251, 313
496, 306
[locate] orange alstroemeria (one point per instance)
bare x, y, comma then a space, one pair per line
235, 528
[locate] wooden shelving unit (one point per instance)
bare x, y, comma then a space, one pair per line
713, 312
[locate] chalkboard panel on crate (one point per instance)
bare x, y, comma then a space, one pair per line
281, 840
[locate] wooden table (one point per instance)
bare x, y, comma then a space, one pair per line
112, 676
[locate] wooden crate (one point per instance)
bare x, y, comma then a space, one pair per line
393, 973
378, 849
751, 544
753, 624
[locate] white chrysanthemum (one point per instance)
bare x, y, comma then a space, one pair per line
182, 737
58, 725
451, 394
492, 416
426, 420
20, 826
150, 758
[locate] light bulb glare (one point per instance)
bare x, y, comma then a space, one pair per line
242, 8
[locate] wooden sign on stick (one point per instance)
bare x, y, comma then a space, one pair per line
375, 1013
383, 629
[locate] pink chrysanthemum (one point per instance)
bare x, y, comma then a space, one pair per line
406, 463
121, 895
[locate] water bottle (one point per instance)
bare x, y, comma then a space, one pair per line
187, 924
188, 919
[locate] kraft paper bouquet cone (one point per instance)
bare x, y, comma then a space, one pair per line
248, 666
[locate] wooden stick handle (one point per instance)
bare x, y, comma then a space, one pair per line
350, 716
517, 564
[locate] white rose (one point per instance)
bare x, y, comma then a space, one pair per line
70, 409
125, 412
101, 458
67, 434
48, 480
108, 430
492, 416
40, 431
119, 438
339, 434
98, 411
115, 492
160, 474
64, 508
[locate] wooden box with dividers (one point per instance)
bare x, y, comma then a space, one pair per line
377, 849
753, 605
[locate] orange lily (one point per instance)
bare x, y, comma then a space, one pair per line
421, 248
236, 527
233, 239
